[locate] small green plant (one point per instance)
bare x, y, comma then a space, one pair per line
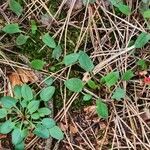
26, 113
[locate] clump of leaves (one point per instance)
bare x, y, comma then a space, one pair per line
25, 113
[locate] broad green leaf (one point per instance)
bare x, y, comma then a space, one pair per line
142, 39
56, 133
37, 64
142, 64
92, 84
21, 39
124, 9
8, 101
127, 75
101, 109
48, 40
118, 94
48, 81
33, 27
17, 136
111, 78
6, 127
26, 92
15, 7
47, 93
87, 97
146, 14
48, 122
44, 111
85, 61
33, 106
3, 113
17, 92
41, 131
35, 116
11, 28
71, 59
74, 84
57, 52
20, 146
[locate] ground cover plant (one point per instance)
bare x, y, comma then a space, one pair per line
74, 74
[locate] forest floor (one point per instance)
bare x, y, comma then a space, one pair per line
106, 105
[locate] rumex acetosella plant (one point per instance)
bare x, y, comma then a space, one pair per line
27, 113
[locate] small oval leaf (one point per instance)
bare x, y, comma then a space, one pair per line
48, 40
101, 109
74, 84
47, 93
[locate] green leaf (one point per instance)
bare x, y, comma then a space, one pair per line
37, 64
142, 64
57, 52
118, 94
35, 116
6, 127
71, 59
124, 9
48, 81
142, 39
21, 39
17, 92
17, 136
41, 131
44, 111
111, 78
33, 106
47, 93
87, 97
3, 113
15, 7
127, 75
85, 61
20, 146
92, 84
116, 2
101, 109
26, 92
146, 14
48, 40
11, 28
24, 103
74, 84
33, 27
56, 133
48, 122
8, 101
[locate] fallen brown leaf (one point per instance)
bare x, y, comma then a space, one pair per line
73, 129
15, 79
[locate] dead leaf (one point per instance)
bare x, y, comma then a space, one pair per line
22, 76
27, 76
73, 129
15, 79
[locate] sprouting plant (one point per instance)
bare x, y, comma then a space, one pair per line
27, 113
